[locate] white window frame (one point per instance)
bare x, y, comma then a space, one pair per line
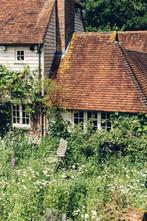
78, 118
20, 124
99, 119
16, 56
106, 122
93, 118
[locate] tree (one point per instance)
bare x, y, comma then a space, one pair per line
107, 15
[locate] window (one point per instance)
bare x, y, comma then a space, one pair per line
99, 120
20, 117
93, 118
20, 55
25, 116
16, 115
105, 121
79, 118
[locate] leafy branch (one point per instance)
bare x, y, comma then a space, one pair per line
18, 87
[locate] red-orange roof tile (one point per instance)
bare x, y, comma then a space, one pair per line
133, 40
24, 22
97, 74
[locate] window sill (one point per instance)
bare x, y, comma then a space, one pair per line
20, 63
24, 127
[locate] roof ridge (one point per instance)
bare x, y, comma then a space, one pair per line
137, 31
123, 55
135, 51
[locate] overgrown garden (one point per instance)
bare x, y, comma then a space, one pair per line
103, 176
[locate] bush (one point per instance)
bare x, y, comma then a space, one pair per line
5, 118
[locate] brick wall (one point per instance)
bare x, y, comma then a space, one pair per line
65, 22
69, 20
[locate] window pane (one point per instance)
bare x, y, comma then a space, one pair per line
14, 120
105, 121
20, 55
76, 114
89, 115
76, 121
95, 125
25, 116
92, 117
24, 121
81, 114
81, 120
79, 117
103, 115
95, 115
27, 121
16, 114
18, 120
20, 116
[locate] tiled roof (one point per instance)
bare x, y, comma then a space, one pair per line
24, 22
99, 74
133, 40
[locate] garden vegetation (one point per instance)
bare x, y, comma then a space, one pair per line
103, 176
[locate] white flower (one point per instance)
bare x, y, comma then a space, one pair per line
86, 216
94, 213
73, 167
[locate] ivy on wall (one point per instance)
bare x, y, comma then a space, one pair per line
25, 87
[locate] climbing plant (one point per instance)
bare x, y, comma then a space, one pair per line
15, 87
25, 87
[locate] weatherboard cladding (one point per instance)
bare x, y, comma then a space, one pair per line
98, 75
79, 27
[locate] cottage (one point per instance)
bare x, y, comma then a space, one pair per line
104, 73
101, 72
31, 33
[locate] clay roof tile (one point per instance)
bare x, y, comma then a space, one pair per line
99, 74
24, 22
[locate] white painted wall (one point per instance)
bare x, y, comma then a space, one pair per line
68, 116
8, 58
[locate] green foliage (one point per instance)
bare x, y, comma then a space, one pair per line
25, 87
107, 15
18, 86
5, 118
53, 98
57, 126
103, 176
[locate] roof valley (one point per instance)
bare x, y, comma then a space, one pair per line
123, 56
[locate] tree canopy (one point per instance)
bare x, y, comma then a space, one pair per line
107, 15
